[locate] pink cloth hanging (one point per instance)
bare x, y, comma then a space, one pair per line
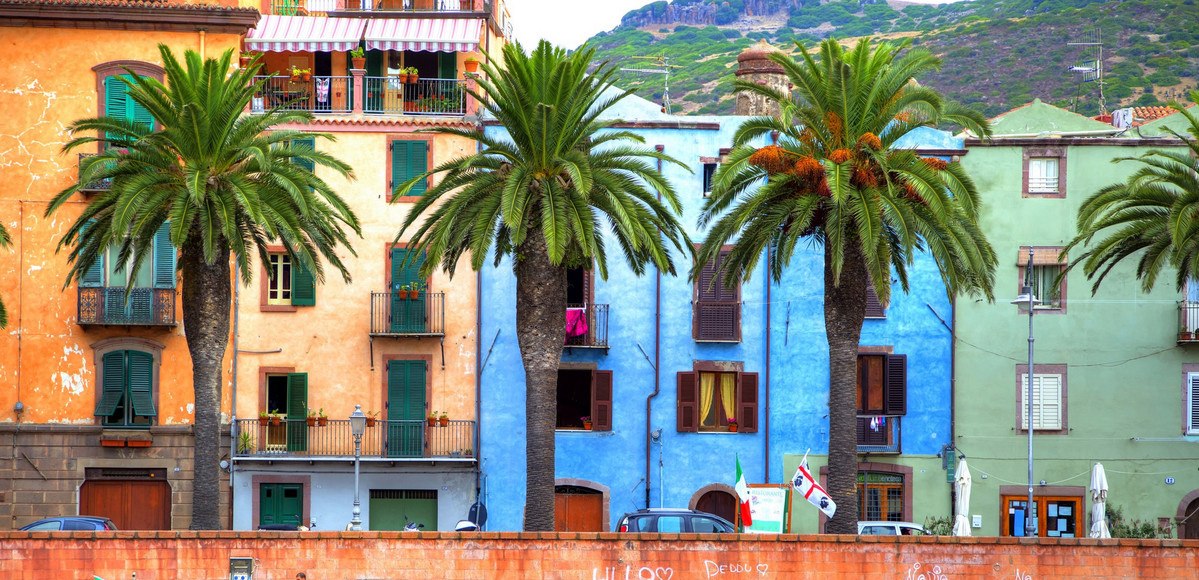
576, 322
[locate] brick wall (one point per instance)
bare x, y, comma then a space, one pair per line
606, 556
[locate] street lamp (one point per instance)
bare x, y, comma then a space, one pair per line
1027, 299
357, 427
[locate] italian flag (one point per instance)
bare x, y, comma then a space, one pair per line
743, 495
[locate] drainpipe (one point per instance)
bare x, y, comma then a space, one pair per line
233, 405
953, 389
766, 423
657, 358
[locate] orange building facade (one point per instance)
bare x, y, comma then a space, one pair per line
64, 450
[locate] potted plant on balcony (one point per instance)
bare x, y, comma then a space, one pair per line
312, 418
413, 75
321, 418
294, 74
432, 418
358, 57
371, 417
586, 419
415, 289
264, 418
244, 443
276, 417
444, 419
472, 64
732, 424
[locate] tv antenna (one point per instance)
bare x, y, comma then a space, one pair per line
663, 68
1090, 67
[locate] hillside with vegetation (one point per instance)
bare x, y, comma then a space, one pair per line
997, 53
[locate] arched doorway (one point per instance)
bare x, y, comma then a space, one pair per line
717, 499
580, 506
1188, 516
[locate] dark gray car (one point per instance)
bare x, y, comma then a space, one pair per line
674, 521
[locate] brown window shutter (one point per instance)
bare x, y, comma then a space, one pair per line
896, 384
874, 308
688, 395
601, 401
868, 436
747, 403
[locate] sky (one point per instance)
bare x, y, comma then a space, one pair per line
567, 23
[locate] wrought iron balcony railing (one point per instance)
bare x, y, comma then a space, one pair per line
1188, 322
587, 326
417, 6
316, 94
392, 95
144, 306
382, 439
99, 185
407, 313
878, 433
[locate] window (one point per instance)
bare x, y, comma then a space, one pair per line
880, 497
288, 394
157, 272
1192, 403
409, 300
1055, 516
881, 401
107, 295
716, 312
582, 394
409, 158
709, 173
1046, 268
114, 93
1044, 172
1048, 401
709, 396
287, 284
126, 389
874, 307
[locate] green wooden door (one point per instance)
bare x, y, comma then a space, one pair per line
389, 508
374, 89
280, 503
408, 315
297, 412
405, 408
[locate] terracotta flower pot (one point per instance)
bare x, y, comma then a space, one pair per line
358, 62
432, 421
276, 421
370, 421
322, 421
587, 426
1184, 335
243, 61
733, 428
471, 65
264, 420
312, 421
306, 76
445, 421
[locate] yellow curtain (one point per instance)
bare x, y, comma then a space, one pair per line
707, 388
728, 394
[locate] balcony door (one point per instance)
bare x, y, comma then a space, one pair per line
408, 308
288, 394
406, 408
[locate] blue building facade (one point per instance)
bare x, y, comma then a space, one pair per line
673, 361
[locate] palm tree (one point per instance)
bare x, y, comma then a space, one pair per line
227, 184
550, 196
4, 243
832, 178
1154, 214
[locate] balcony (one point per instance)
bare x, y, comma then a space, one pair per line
397, 314
144, 307
315, 95
391, 95
397, 7
878, 433
1188, 322
99, 185
587, 326
382, 439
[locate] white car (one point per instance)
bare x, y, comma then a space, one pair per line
890, 529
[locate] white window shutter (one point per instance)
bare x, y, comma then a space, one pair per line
1046, 402
1192, 403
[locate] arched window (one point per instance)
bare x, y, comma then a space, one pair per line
127, 381
113, 92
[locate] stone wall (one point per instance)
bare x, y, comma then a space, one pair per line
604, 556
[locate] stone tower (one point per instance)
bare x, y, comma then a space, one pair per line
754, 65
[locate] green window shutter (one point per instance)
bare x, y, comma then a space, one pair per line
141, 382
93, 277
303, 285
164, 257
297, 411
405, 273
112, 369
447, 65
409, 159
310, 144
114, 98
134, 111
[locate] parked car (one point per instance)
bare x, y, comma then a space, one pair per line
891, 529
71, 523
672, 521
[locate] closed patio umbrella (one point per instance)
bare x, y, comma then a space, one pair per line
1099, 503
961, 485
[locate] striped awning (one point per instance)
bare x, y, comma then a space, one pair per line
305, 34
423, 34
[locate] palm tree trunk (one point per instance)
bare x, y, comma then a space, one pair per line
844, 311
206, 307
541, 331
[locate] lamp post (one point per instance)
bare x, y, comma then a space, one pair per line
1027, 299
357, 427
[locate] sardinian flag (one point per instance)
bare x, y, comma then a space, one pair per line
743, 497
806, 485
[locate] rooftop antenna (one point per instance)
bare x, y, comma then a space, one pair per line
1091, 66
664, 66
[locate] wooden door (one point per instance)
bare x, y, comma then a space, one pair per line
578, 510
1190, 527
719, 503
406, 408
131, 505
280, 503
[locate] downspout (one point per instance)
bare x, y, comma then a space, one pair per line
479, 364
953, 389
657, 358
203, 33
233, 406
766, 423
